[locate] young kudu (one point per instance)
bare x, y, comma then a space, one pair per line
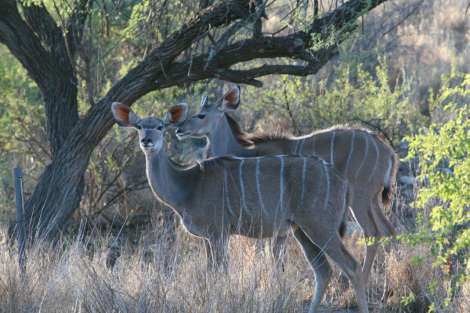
247, 196
361, 156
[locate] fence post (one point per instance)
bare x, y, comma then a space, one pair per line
20, 218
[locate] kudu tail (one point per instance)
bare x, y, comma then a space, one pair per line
390, 177
384, 226
389, 184
387, 197
390, 181
342, 228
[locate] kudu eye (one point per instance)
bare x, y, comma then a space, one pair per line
200, 116
160, 127
138, 126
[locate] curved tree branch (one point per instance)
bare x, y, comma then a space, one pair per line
159, 70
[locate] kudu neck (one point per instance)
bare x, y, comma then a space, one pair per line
171, 182
224, 142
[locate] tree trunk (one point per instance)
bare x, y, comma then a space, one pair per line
61, 110
57, 194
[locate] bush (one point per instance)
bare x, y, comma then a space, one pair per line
444, 173
356, 96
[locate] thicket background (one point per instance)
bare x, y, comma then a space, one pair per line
404, 72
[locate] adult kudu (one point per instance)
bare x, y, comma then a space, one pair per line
364, 158
228, 195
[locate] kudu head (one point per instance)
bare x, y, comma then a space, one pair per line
150, 128
209, 115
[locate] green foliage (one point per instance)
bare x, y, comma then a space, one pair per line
410, 298
152, 21
20, 108
444, 170
60, 10
22, 126
355, 96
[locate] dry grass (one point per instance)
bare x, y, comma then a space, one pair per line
175, 279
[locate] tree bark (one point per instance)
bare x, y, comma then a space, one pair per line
38, 44
59, 188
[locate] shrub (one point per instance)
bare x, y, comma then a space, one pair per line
444, 173
355, 96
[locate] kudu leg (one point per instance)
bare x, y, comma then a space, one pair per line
320, 266
362, 212
371, 252
371, 232
217, 253
381, 227
330, 242
278, 249
276, 246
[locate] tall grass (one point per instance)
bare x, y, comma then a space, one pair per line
158, 277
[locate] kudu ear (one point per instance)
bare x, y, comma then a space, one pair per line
123, 115
176, 114
231, 100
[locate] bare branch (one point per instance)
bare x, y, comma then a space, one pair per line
141, 80
259, 8
346, 13
294, 46
223, 40
268, 69
265, 47
234, 76
403, 19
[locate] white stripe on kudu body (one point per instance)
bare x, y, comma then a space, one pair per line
226, 194
350, 153
345, 147
377, 153
258, 186
304, 173
243, 206
242, 184
365, 155
332, 148
327, 194
296, 149
281, 182
301, 148
198, 195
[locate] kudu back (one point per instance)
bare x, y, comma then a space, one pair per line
248, 196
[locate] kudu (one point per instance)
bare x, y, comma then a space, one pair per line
222, 196
365, 159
